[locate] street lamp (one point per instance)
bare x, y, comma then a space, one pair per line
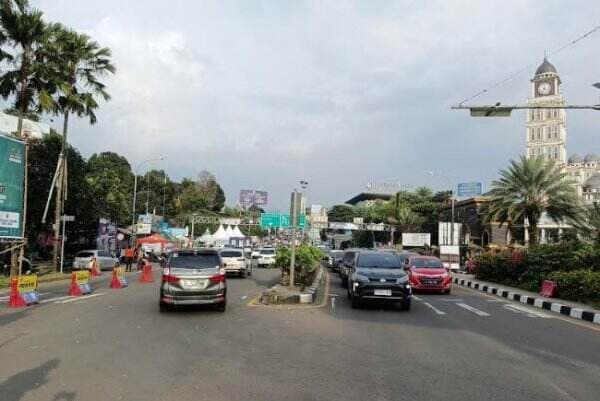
295, 196
135, 188
431, 173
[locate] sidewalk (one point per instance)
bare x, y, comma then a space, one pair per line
572, 309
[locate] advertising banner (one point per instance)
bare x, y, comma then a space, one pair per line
143, 228
469, 189
27, 287
249, 197
416, 239
12, 173
82, 279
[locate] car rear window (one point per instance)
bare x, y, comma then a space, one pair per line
427, 263
231, 254
379, 260
194, 261
85, 254
267, 252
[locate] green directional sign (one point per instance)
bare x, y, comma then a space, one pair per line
12, 172
279, 220
270, 220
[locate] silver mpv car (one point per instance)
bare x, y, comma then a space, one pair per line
193, 277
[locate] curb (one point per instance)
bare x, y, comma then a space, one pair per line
309, 296
538, 302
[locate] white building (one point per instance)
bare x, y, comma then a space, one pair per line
547, 133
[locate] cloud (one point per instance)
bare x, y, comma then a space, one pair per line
339, 93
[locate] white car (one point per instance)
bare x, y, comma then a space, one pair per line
105, 260
235, 262
266, 257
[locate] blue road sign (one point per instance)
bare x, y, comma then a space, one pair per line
469, 189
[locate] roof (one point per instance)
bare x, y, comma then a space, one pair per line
591, 157
545, 68
593, 181
365, 196
575, 158
474, 200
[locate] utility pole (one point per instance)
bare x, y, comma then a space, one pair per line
293, 255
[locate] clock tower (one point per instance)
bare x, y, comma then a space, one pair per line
546, 128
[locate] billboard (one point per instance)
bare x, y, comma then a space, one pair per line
249, 197
416, 239
12, 174
445, 233
469, 189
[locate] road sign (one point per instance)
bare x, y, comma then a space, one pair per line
416, 239
270, 220
12, 172
468, 189
67, 219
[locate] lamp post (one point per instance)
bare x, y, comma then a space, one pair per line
294, 215
135, 190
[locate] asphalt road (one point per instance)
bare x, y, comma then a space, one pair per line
115, 345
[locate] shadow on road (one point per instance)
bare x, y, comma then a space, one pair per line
17, 385
8, 318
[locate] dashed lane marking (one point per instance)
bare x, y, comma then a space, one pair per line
433, 308
7, 297
473, 309
43, 301
417, 298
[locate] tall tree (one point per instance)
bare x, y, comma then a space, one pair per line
528, 189
77, 63
341, 213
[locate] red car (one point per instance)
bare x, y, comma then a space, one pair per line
427, 273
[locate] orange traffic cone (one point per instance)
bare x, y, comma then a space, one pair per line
146, 276
115, 282
15, 300
74, 289
94, 271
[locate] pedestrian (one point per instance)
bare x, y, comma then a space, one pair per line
129, 253
140, 257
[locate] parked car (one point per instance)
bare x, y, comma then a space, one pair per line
105, 260
266, 257
337, 257
194, 277
378, 276
348, 262
427, 273
234, 261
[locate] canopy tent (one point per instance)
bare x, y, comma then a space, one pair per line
206, 237
237, 233
155, 243
229, 232
152, 239
220, 237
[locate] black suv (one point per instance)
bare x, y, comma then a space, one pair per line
348, 261
378, 276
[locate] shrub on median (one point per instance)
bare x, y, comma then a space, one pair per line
578, 285
306, 262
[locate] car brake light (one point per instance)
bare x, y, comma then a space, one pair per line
218, 278
167, 278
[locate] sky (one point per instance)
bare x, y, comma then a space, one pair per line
338, 93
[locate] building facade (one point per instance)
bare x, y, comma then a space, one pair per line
547, 134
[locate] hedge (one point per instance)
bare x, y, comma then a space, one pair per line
578, 285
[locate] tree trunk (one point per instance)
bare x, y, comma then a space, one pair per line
533, 233
60, 190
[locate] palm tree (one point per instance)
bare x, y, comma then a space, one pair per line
591, 227
77, 62
530, 188
25, 31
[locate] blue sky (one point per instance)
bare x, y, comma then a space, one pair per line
264, 93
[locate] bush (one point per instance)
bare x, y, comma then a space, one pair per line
306, 262
578, 285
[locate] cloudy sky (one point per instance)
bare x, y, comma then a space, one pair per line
264, 93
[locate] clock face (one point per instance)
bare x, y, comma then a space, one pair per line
544, 88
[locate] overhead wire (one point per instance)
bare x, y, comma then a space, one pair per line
529, 66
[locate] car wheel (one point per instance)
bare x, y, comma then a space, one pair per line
221, 307
345, 282
244, 274
405, 305
163, 308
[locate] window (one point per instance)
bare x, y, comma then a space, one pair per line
194, 260
379, 259
548, 134
556, 152
539, 133
231, 254
548, 113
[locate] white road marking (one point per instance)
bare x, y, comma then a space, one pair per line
334, 295
73, 299
417, 298
333, 303
495, 300
528, 312
43, 301
451, 299
436, 310
8, 297
473, 309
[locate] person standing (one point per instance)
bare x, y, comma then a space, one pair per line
140, 257
129, 253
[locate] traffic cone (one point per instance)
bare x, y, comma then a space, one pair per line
95, 272
15, 300
115, 282
74, 289
146, 276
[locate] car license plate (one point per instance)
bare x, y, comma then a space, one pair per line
383, 293
194, 283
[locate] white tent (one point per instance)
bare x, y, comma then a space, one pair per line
220, 237
206, 237
229, 232
237, 233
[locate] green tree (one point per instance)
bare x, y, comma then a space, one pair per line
341, 213
110, 180
212, 191
591, 225
27, 70
530, 188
